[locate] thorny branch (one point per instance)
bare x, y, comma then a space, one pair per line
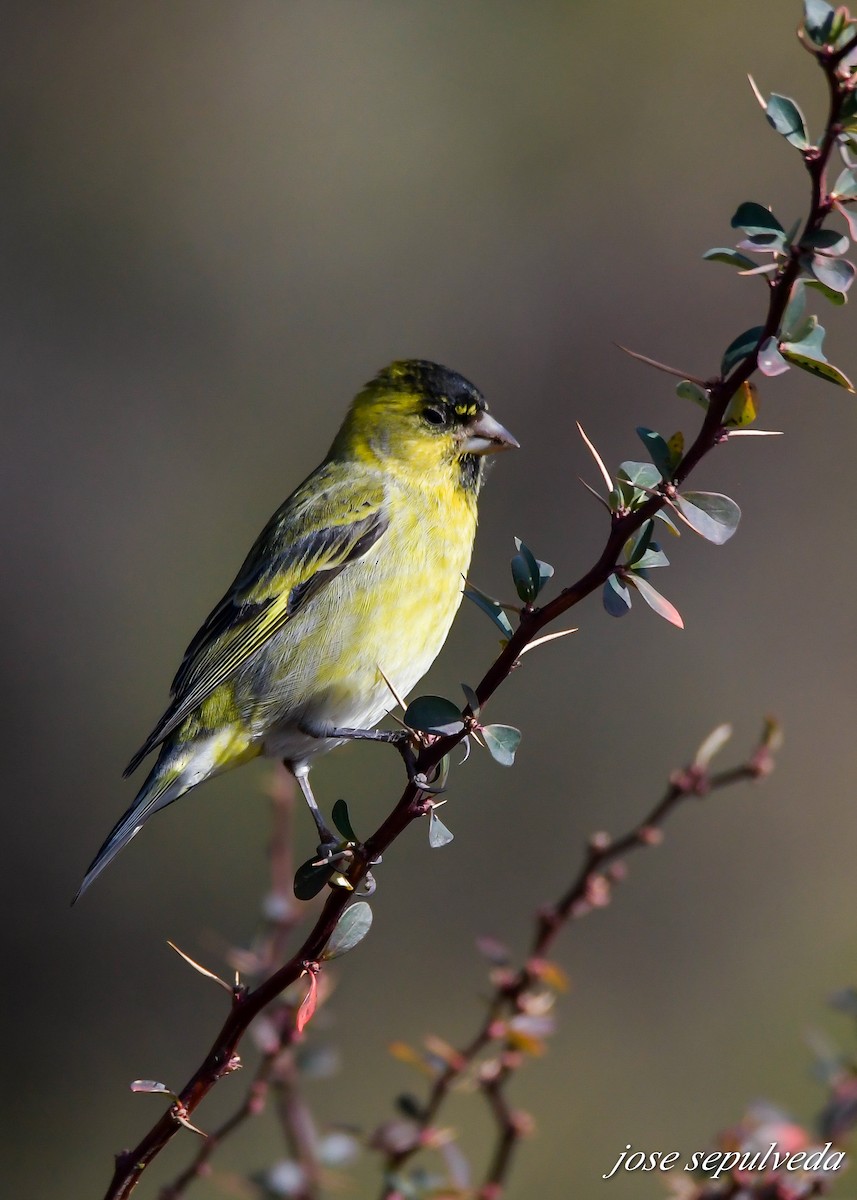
247, 1003
591, 889
277, 1069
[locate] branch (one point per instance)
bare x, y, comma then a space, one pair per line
590, 889
277, 1067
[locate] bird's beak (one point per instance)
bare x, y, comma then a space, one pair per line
486, 436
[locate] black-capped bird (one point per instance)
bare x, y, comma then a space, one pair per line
353, 582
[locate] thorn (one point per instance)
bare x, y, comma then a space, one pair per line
202, 970
180, 1114
600, 499
393, 691
604, 472
762, 101
731, 433
659, 366
548, 637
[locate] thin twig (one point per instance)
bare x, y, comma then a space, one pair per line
590, 889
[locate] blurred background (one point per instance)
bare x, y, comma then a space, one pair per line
218, 220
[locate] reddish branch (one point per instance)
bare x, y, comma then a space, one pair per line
590, 889
222, 1057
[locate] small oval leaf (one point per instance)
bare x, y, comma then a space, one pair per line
342, 821
742, 347
658, 450
350, 930
656, 601
835, 273
711, 514
770, 361
153, 1086
787, 119
311, 878
502, 742
820, 368
433, 714
439, 835
616, 597
692, 391
732, 258
491, 607
755, 218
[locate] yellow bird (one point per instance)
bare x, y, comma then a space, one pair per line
354, 581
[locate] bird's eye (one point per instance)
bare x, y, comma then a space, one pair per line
434, 416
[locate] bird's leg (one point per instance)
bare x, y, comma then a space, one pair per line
402, 739
326, 838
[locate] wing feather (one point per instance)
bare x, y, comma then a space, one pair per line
326, 524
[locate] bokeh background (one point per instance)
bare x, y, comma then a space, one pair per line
218, 220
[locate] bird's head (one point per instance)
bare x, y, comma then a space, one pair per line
421, 416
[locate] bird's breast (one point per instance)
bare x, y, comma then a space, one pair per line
389, 612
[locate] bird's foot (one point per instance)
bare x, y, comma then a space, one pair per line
402, 739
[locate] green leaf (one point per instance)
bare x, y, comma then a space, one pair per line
835, 273
712, 515
502, 741
742, 347
741, 410
732, 258
492, 607
692, 391
795, 313
787, 119
529, 574
433, 714
845, 187
639, 474
831, 241
837, 298
342, 821
818, 20
654, 557
656, 601
850, 218
770, 361
818, 367
755, 219
809, 355
351, 929
675, 445
669, 522
639, 542
763, 243
471, 698
439, 835
526, 584
543, 570
658, 449
616, 597
810, 339
310, 879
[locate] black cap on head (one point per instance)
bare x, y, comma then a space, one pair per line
435, 382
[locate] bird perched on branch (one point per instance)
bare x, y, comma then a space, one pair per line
349, 592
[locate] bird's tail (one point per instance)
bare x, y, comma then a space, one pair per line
178, 769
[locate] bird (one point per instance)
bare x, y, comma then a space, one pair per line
343, 602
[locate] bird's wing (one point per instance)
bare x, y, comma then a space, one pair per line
329, 522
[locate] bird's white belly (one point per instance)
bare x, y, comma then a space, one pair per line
340, 682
